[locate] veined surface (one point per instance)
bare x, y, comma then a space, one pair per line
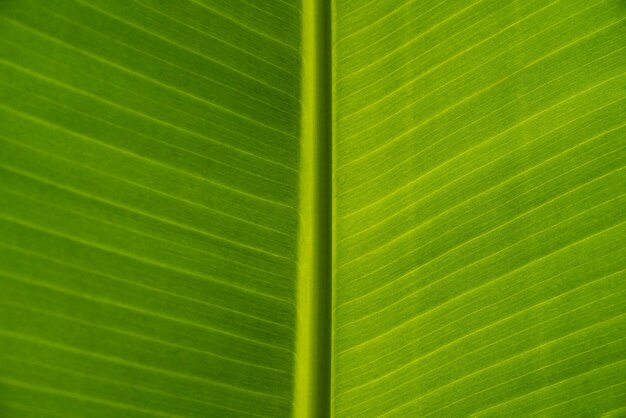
150, 173
149, 157
480, 208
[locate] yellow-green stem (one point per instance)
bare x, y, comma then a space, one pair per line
313, 344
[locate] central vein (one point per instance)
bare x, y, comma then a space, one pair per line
313, 341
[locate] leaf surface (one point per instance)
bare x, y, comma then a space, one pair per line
480, 208
166, 225
149, 154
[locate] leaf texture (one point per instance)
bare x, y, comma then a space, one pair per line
149, 158
480, 208
153, 197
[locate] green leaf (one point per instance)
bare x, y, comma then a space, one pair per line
312, 208
149, 182
480, 208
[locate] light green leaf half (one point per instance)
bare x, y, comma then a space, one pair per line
480, 208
